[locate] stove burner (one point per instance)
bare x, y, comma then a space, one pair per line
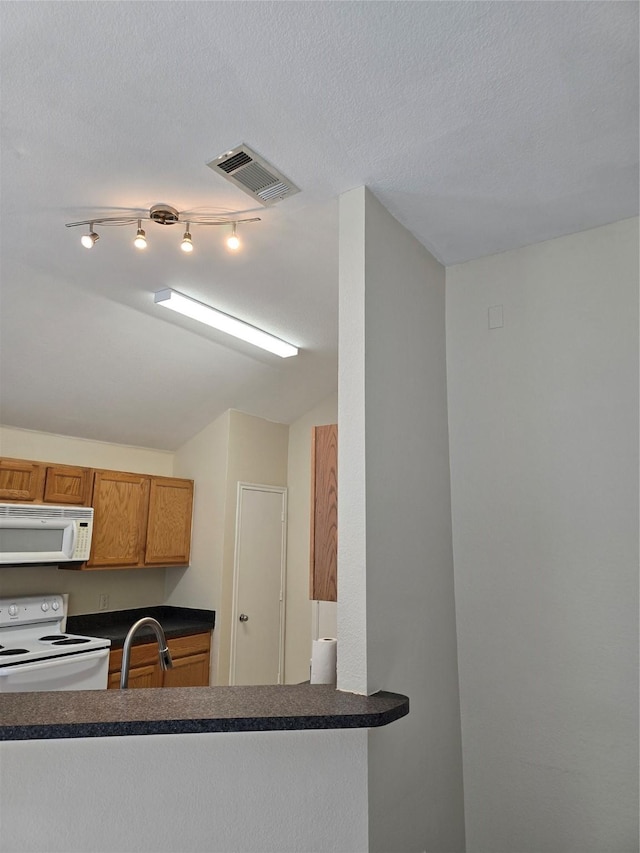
53, 637
14, 651
71, 641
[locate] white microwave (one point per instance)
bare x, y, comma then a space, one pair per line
44, 534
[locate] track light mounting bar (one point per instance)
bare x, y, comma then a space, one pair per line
163, 214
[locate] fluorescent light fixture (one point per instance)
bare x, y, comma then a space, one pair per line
176, 301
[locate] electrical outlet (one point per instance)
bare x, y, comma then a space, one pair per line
103, 601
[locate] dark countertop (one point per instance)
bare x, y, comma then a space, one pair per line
188, 710
114, 625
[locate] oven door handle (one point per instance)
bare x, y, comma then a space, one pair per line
64, 660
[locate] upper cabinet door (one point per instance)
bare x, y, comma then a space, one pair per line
169, 524
67, 485
324, 513
21, 480
120, 504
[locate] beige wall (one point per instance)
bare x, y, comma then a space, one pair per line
67, 450
299, 609
234, 448
204, 460
257, 454
140, 588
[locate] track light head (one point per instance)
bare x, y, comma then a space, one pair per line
89, 240
141, 239
233, 242
186, 245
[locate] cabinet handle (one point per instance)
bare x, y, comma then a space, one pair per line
244, 617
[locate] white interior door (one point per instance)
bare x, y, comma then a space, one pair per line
257, 638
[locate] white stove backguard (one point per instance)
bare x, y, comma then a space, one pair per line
20, 611
37, 655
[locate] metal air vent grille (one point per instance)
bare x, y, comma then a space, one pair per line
253, 175
235, 162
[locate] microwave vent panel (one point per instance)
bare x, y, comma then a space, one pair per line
40, 511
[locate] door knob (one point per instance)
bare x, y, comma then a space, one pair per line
244, 617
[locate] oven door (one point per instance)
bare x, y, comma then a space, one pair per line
85, 671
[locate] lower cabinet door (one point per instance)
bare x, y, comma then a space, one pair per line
139, 676
190, 655
192, 671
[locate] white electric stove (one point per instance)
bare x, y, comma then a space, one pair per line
36, 655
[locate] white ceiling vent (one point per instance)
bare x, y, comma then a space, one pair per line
248, 171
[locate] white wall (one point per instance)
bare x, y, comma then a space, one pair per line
392, 310
543, 419
352, 520
251, 792
127, 588
300, 610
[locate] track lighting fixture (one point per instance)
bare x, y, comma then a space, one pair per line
89, 240
141, 238
186, 245
233, 242
162, 214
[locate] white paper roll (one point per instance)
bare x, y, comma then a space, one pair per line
323, 661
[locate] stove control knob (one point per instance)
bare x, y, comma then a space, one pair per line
13, 610
55, 605
44, 606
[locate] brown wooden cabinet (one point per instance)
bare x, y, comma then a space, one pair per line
190, 664
23, 481
169, 522
120, 505
149, 675
66, 484
324, 513
139, 520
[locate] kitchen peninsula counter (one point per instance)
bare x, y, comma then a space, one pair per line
114, 625
191, 710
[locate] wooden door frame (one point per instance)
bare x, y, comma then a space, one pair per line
281, 490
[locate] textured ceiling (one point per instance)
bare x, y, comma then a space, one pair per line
481, 126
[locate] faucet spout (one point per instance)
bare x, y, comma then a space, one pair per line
163, 652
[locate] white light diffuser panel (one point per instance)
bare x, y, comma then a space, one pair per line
189, 307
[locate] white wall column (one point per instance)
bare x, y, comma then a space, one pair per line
396, 613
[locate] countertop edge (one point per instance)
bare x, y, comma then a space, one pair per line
355, 714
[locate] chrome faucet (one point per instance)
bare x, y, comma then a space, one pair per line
163, 651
